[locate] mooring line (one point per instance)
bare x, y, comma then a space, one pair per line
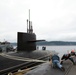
21, 58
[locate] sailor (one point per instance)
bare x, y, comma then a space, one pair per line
56, 62
68, 56
73, 53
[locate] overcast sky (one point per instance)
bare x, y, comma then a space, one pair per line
53, 20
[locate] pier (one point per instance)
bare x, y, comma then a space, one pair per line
46, 69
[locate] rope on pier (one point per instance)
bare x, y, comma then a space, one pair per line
21, 72
22, 58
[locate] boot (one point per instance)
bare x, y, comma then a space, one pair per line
62, 69
61, 62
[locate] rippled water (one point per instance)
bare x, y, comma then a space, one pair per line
60, 49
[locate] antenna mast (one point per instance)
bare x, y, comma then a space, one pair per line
29, 20
29, 25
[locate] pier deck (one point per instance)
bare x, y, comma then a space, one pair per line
46, 69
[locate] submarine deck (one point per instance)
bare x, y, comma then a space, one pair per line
8, 63
46, 69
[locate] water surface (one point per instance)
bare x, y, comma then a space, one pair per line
60, 49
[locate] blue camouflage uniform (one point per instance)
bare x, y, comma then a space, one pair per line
56, 61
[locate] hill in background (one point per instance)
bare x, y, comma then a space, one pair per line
55, 43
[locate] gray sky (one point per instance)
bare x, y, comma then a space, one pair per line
53, 20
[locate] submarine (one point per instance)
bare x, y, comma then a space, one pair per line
26, 47
27, 55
